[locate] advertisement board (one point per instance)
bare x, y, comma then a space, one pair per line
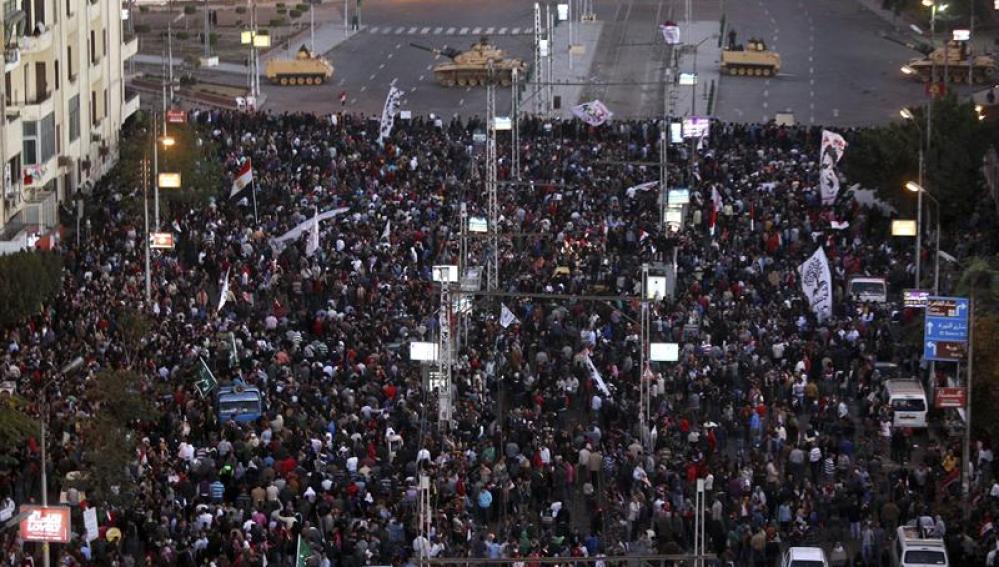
49, 523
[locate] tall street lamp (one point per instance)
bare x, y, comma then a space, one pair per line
907, 114
920, 191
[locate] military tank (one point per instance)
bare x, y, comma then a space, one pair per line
753, 59
953, 57
305, 69
471, 67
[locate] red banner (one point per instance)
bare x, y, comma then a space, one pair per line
951, 397
45, 524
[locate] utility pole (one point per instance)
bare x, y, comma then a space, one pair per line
425, 513
492, 275
644, 380
312, 26
156, 174
515, 125
550, 98
966, 452
538, 71
145, 235
444, 355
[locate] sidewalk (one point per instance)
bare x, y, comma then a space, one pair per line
575, 69
702, 56
328, 36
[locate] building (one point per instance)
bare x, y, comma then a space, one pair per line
63, 100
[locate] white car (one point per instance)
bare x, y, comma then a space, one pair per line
804, 557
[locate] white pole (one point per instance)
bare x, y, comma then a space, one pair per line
919, 224
346, 21
170, 53
156, 178
45, 481
966, 456
312, 27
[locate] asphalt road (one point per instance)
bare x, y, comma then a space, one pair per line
368, 62
836, 67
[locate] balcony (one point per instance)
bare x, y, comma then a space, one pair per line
13, 59
129, 48
41, 174
130, 107
36, 43
38, 107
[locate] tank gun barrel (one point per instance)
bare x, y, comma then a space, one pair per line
446, 52
917, 46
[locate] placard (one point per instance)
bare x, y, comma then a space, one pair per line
49, 523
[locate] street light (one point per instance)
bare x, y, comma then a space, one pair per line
906, 114
168, 141
920, 191
907, 70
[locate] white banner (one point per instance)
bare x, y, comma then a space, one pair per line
828, 182
816, 284
833, 146
671, 33
293, 234
392, 102
597, 377
313, 244
90, 523
224, 296
507, 317
647, 186
593, 113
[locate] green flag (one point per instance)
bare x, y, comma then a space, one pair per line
303, 553
205, 380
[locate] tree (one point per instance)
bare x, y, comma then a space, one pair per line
28, 280
885, 157
980, 280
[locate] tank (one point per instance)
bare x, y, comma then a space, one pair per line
304, 69
752, 60
953, 57
471, 67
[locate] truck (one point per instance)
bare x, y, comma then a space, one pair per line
239, 402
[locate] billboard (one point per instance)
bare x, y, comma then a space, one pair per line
696, 127
45, 523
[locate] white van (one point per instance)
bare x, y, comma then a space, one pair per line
907, 399
864, 288
914, 547
804, 557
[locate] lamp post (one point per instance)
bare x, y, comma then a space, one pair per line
907, 114
920, 191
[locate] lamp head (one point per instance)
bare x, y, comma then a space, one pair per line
168, 141
913, 186
906, 113
907, 70
928, 3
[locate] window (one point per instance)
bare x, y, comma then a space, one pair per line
106, 105
69, 8
47, 136
29, 134
925, 557
93, 107
105, 42
57, 74
74, 118
70, 67
93, 47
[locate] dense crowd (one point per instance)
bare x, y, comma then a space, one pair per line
780, 415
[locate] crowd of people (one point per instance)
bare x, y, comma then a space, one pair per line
777, 414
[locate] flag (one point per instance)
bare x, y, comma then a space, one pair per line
392, 102
752, 217
302, 553
224, 296
839, 225
243, 180
828, 182
716, 205
593, 113
833, 146
233, 352
671, 33
507, 317
387, 233
205, 381
816, 284
313, 244
292, 235
647, 186
595, 374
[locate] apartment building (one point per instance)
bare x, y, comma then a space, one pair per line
63, 100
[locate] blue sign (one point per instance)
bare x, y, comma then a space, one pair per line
945, 328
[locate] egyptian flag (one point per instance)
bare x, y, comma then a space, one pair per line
716, 205
244, 179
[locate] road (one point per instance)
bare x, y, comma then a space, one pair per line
836, 67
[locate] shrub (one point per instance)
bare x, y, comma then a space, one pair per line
190, 10
282, 11
183, 35
278, 22
294, 14
28, 280
302, 7
280, 5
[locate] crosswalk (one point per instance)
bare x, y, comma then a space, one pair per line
440, 30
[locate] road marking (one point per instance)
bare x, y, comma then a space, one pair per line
364, 88
489, 31
389, 56
341, 82
476, 31
809, 58
399, 30
766, 104
775, 38
372, 77
811, 105
424, 31
811, 81
835, 113
811, 93
468, 90
429, 67
411, 31
421, 77
811, 119
373, 30
382, 66
766, 93
811, 48
450, 31
387, 31
515, 31
353, 101
811, 70
397, 46
437, 31
464, 31
502, 31
461, 102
